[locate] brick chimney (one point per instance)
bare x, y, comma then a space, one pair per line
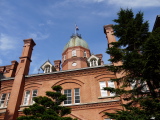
57, 64
19, 80
108, 30
2, 69
100, 57
13, 68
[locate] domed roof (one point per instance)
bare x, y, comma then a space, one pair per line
76, 40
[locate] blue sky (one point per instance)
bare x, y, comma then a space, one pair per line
51, 23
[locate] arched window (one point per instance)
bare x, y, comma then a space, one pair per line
85, 54
73, 52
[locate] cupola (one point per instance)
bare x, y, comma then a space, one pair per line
76, 40
75, 53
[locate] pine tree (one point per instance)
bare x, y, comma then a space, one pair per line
138, 50
48, 107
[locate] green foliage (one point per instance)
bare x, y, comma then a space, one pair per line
139, 51
48, 108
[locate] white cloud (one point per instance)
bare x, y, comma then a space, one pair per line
50, 22
135, 3
91, 1
98, 0
38, 36
6, 42
103, 14
127, 3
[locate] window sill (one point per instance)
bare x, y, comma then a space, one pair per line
107, 97
71, 104
24, 105
3, 108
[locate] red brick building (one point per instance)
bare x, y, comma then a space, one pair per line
82, 77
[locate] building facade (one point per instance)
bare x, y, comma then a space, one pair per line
82, 78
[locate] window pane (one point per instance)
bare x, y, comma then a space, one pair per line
145, 87
111, 84
85, 54
65, 91
65, 102
77, 90
69, 91
69, 102
77, 101
73, 52
2, 104
34, 94
2, 100
8, 96
69, 98
3, 97
133, 85
26, 98
103, 92
68, 94
77, 95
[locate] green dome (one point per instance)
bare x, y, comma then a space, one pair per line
76, 40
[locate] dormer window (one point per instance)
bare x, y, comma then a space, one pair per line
93, 62
47, 69
73, 52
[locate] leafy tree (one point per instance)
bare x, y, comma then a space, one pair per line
138, 50
48, 108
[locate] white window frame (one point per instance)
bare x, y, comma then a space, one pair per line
73, 52
105, 93
47, 69
68, 101
93, 62
2, 100
102, 84
7, 99
64, 57
85, 54
133, 85
26, 97
77, 94
137, 83
112, 85
32, 102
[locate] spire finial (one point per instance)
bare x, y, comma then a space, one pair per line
76, 28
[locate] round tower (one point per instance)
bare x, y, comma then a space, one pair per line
75, 53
